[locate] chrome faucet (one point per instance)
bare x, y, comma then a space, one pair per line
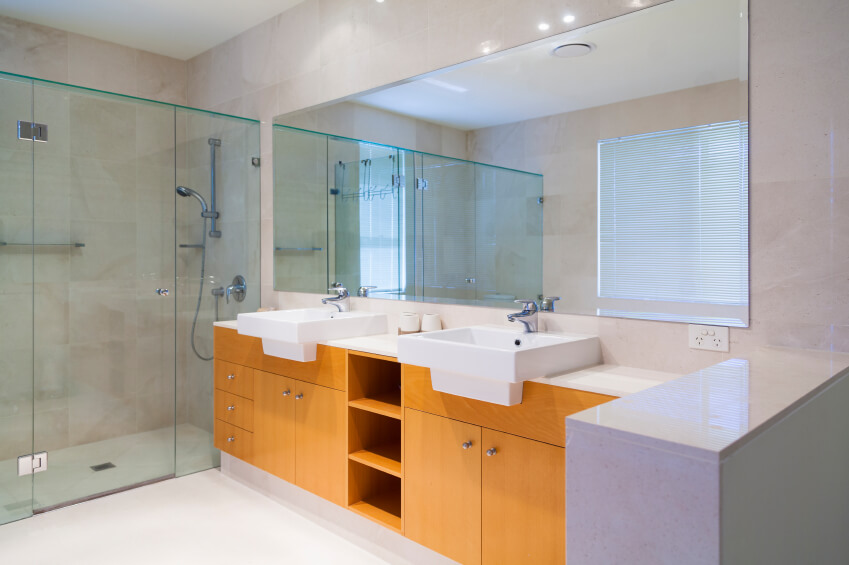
528, 315
341, 300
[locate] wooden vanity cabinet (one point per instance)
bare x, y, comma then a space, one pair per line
442, 485
321, 443
299, 434
481, 496
523, 500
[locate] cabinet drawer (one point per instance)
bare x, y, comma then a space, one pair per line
234, 410
234, 379
233, 440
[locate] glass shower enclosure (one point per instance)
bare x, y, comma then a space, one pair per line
110, 280
410, 225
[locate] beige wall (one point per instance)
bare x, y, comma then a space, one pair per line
51, 54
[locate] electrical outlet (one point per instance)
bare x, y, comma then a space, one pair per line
711, 338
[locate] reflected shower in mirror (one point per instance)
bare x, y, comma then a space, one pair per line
637, 128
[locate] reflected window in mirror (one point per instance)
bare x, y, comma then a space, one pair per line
673, 233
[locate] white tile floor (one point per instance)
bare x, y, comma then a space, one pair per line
204, 518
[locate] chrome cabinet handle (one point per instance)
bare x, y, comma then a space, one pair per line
231, 439
231, 377
491, 451
287, 392
161, 291
231, 408
467, 444
300, 396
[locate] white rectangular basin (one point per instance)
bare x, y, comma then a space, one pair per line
491, 363
294, 334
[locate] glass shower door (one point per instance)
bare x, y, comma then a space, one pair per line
16, 299
445, 219
104, 312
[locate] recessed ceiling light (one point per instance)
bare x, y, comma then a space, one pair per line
568, 19
543, 26
569, 50
380, 1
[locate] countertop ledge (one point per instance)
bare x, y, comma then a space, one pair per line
611, 380
713, 412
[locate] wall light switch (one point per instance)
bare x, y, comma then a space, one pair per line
711, 338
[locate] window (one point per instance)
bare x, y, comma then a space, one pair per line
673, 225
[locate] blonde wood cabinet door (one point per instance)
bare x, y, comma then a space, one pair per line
274, 425
321, 440
442, 488
524, 501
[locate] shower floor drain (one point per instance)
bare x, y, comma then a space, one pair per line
103, 466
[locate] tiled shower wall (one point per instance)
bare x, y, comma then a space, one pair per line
323, 50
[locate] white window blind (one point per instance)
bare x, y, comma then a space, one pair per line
673, 225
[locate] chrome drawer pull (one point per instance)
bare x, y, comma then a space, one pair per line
231, 408
491, 451
231, 439
287, 392
231, 377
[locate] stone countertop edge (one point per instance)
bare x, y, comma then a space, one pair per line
629, 419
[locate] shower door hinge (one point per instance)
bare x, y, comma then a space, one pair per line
256, 161
34, 463
421, 184
30, 131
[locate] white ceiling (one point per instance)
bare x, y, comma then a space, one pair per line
177, 28
673, 46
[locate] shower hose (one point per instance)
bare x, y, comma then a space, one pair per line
200, 293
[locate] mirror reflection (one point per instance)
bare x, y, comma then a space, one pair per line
636, 127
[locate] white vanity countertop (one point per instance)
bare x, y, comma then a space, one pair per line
381, 344
711, 413
612, 380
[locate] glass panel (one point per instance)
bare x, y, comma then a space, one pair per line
301, 257
448, 228
508, 236
16, 299
213, 155
104, 381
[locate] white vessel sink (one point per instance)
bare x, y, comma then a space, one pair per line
294, 334
491, 363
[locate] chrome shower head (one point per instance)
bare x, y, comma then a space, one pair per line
185, 191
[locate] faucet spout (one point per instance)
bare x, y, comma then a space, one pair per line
527, 317
341, 300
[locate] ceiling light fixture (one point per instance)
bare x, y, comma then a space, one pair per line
543, 26
568, 19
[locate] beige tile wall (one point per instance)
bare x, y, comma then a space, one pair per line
322, 50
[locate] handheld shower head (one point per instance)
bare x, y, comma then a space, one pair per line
185, 191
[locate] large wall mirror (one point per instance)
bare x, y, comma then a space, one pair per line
607, 165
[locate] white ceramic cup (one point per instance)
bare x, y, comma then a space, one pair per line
409, 322
431, 322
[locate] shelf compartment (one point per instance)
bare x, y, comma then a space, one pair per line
374, 384
386, 404
375, 495
386, 458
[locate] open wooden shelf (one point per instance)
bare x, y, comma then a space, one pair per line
385, 403
383, 508
386, 458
